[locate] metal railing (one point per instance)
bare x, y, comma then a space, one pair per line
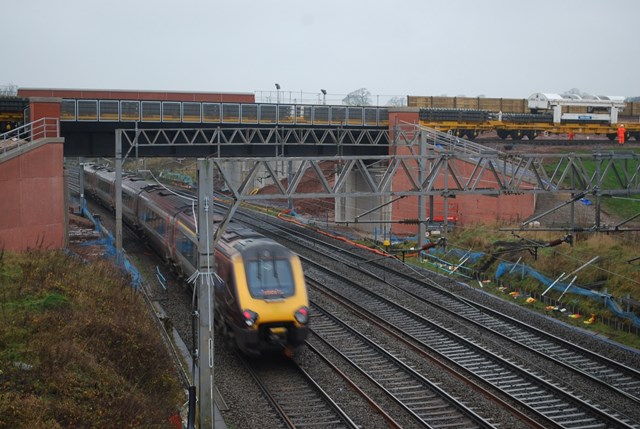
19, 137
209, 113
441, 141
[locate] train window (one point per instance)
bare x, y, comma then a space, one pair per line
159, 225
191, 112
151, 111
211, 112
87, 110
129, 110
153, 221
68, 110
104, 186
249, 113
186, 247
145, 215
109, 110
128, 200
231, 113
269, 278
171, 111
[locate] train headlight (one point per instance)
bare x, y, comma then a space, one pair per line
250, 317
302, 315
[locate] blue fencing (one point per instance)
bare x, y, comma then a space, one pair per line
607, 299
107, 242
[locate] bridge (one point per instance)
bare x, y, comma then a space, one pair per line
228, 124
384, 164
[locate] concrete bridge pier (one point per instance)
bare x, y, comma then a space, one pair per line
369, 214
236, 171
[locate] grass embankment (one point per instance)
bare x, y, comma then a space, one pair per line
615, 176
610, 273
78, 349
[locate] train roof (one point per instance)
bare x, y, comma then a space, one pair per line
101, 171
166, 200
237, 232
136, 183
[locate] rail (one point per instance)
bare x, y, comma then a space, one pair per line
26, 134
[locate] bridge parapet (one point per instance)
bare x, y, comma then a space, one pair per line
21, 138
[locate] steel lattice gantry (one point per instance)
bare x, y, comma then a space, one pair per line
434, 164
413, 152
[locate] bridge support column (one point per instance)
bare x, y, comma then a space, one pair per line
236, 172
370, 214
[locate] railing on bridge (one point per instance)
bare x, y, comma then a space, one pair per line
407, 133
29, 133
221, 113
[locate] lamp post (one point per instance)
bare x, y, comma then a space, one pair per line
277, 93
324, 96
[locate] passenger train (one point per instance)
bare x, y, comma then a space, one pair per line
261, 303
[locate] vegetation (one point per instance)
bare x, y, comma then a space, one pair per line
78, 349
622, 208
611, 273
359, 97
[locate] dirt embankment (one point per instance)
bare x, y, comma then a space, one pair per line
319, 208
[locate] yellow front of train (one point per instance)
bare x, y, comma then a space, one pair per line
272, 300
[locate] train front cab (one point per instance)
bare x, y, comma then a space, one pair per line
271, 311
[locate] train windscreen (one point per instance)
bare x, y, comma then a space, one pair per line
269, 278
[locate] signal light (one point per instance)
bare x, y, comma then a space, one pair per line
302, 315
250, 317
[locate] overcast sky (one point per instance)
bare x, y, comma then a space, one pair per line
495, 48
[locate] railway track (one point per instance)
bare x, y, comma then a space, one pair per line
620, 378
295, 396
541, 395
490, 369
424, 400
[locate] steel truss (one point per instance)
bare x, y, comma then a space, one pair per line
493, 172
430, 161
263, 141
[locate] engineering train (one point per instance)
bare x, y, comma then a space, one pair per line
541, 113
261, 303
